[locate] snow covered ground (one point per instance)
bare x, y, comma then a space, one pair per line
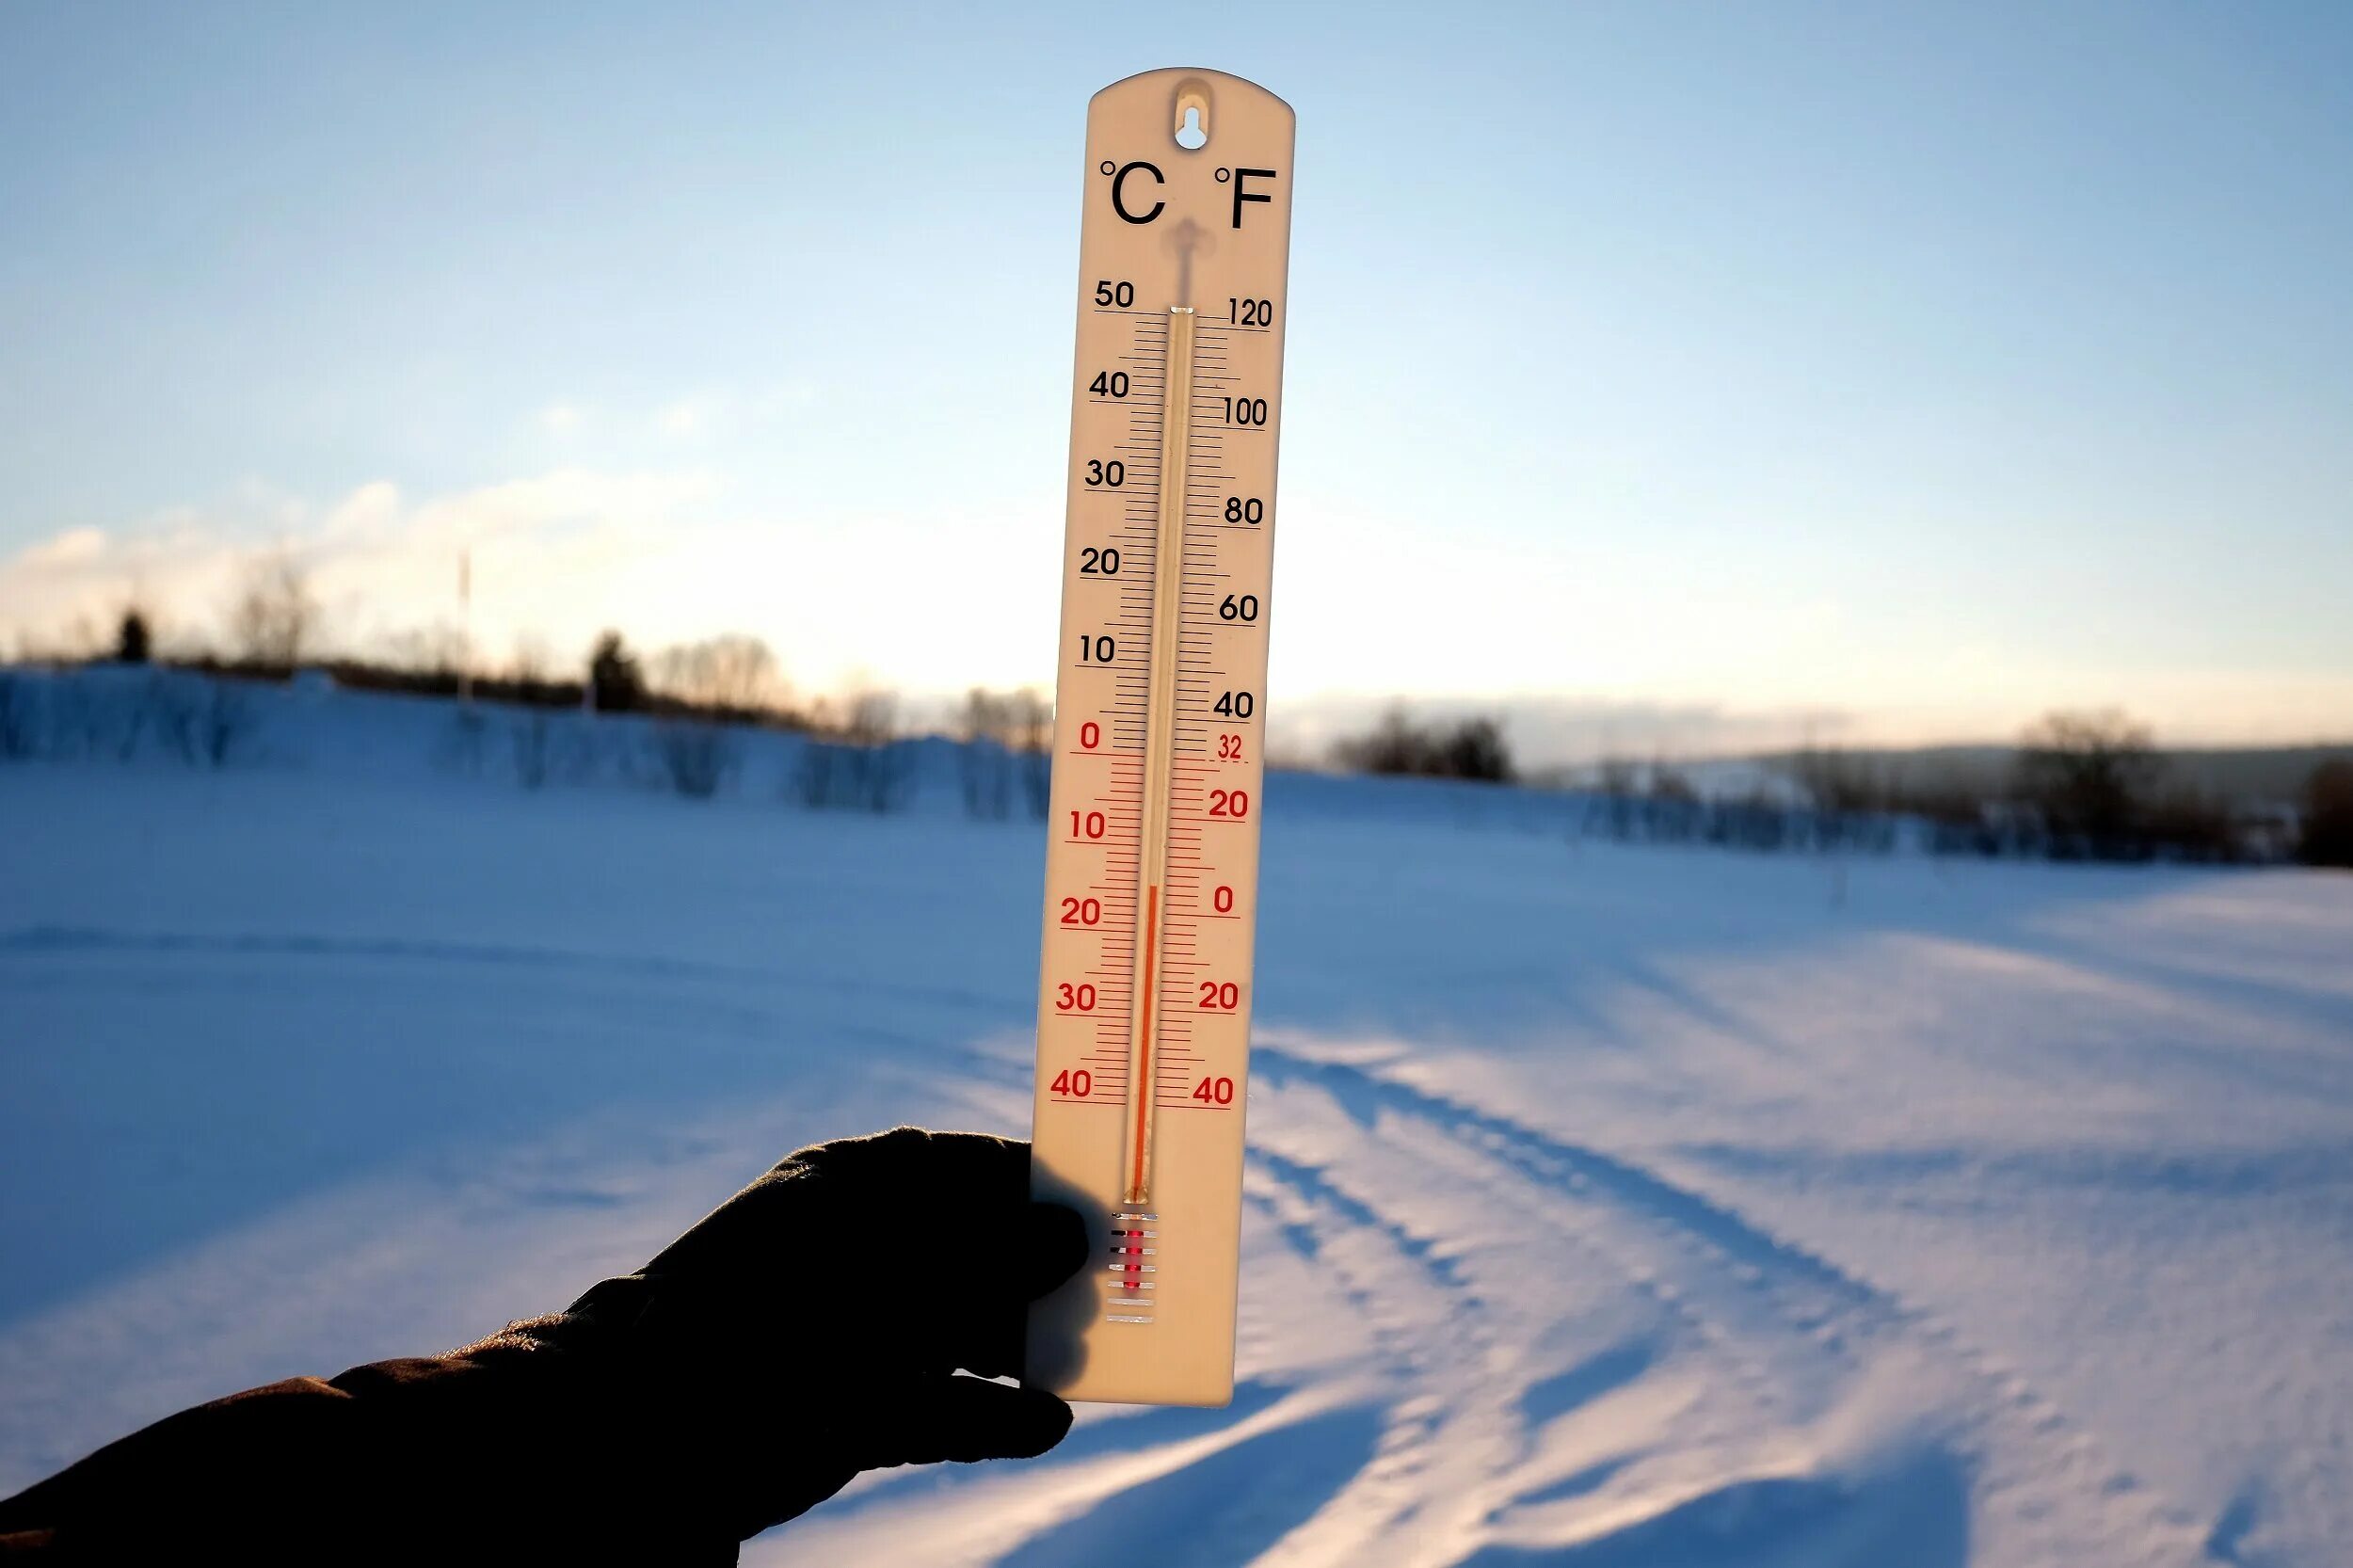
1671, 1209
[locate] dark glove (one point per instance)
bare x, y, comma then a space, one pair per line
811, 1328
820, 1318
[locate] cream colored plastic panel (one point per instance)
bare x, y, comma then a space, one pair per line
1152, 857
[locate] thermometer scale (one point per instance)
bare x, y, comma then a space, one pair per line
1152, 857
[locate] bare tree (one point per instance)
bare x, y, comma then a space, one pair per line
870, 726
1030, 726
1471, 748
985, 761
532, 661
274, 619
860, 764
1842, 791
2088, 774
438, 650
1614, 778
734, 673
1671, 810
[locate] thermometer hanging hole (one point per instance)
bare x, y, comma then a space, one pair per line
1192, 121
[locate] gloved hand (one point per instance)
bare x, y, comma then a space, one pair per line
812, 1327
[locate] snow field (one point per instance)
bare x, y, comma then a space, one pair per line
1606, 1204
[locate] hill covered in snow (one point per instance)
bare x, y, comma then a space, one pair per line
1608, 1203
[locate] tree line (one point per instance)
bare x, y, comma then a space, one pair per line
2081, 786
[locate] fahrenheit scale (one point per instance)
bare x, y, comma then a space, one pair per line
1152, 857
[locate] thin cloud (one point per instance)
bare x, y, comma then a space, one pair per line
378, 562
940, 601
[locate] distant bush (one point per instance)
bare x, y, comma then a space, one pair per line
695, 756
984, 755
1659, 804
203, 721
859, 765
117, 716
2090, 776
225, 720
1030, 724
1852, 800
2327, 834
20, 717
528, 735
2187, 823
1472, 748
99, 719
461, 743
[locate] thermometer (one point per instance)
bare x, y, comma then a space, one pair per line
1160, 725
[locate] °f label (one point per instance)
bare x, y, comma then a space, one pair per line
1160, 715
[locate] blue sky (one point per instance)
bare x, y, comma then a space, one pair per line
1694, 375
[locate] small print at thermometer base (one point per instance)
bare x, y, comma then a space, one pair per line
1160, 725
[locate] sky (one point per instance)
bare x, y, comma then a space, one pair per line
1692, 376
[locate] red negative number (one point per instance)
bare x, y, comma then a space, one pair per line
1075, 1081
1229, 803
1081, 911
1086, 824
1219, 996
1076, 999
1214, 1091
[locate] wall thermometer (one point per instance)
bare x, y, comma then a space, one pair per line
1160, 724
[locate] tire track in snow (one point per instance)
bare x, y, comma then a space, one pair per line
1706, 1259
1465, 1419
1430, 1331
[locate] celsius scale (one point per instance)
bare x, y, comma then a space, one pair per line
1160, 715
